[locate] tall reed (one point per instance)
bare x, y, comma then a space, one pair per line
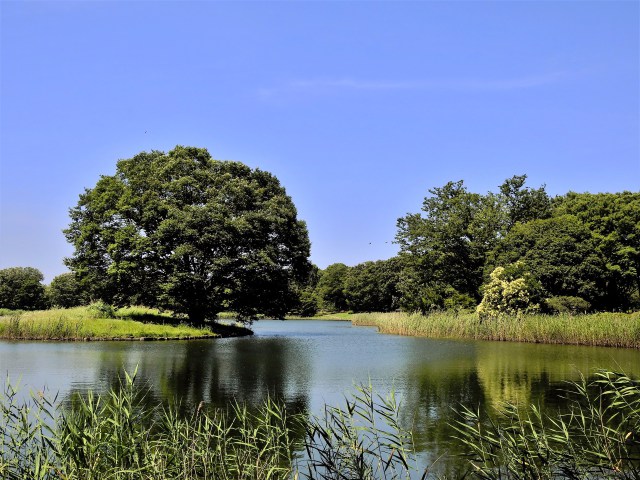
599, 437
602, 329
115, 437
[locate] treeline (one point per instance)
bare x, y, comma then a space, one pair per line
21, 288
513, 251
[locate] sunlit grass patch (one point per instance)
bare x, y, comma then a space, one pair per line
85, 323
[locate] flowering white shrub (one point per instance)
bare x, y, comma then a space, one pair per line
510, 292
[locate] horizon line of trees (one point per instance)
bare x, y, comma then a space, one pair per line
516, 250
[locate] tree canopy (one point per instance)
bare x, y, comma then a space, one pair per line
444, 248
65, 291
330, 287
183, 231
583, 249
21, 288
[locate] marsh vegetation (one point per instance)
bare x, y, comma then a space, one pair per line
604, 329
116, 436
100, 321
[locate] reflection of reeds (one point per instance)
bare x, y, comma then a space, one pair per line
602, 329
86, 323
599, 437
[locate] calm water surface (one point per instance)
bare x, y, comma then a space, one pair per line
309, 363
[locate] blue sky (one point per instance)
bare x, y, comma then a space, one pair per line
357, 107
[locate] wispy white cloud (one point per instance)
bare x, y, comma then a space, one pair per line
320, 85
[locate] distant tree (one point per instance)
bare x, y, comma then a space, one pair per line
65, 291
522, 204
444, 248
308, 303
566, 304
330, 288
21, 288
192, 234
559, 252
373, 286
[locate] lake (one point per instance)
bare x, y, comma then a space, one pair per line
309, 363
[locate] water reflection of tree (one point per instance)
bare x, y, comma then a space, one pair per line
482, 375
441, 377
217, 372
522, 373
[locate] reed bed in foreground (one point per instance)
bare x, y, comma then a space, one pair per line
597, 329
599, 437
85, 323
115, 437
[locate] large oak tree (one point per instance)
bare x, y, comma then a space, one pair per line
183, 231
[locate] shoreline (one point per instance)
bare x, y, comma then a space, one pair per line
81, 324
617, 330
123, 339
613, 330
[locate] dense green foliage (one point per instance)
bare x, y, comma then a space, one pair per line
614, 222
560, 253
307, 304
575, 253
185, 232
21, 288
445, 248
372, 286
583, 246
367, 287
199, 237
65, 291
330, 287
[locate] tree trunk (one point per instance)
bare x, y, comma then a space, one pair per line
196, 316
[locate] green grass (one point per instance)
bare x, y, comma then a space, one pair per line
87, 323
338, 316
601, 329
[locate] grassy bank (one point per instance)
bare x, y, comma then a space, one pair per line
116, 437
87, 323
602, 329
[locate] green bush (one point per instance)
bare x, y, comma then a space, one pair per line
101, 309
64, 291
567, 304
457, 301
